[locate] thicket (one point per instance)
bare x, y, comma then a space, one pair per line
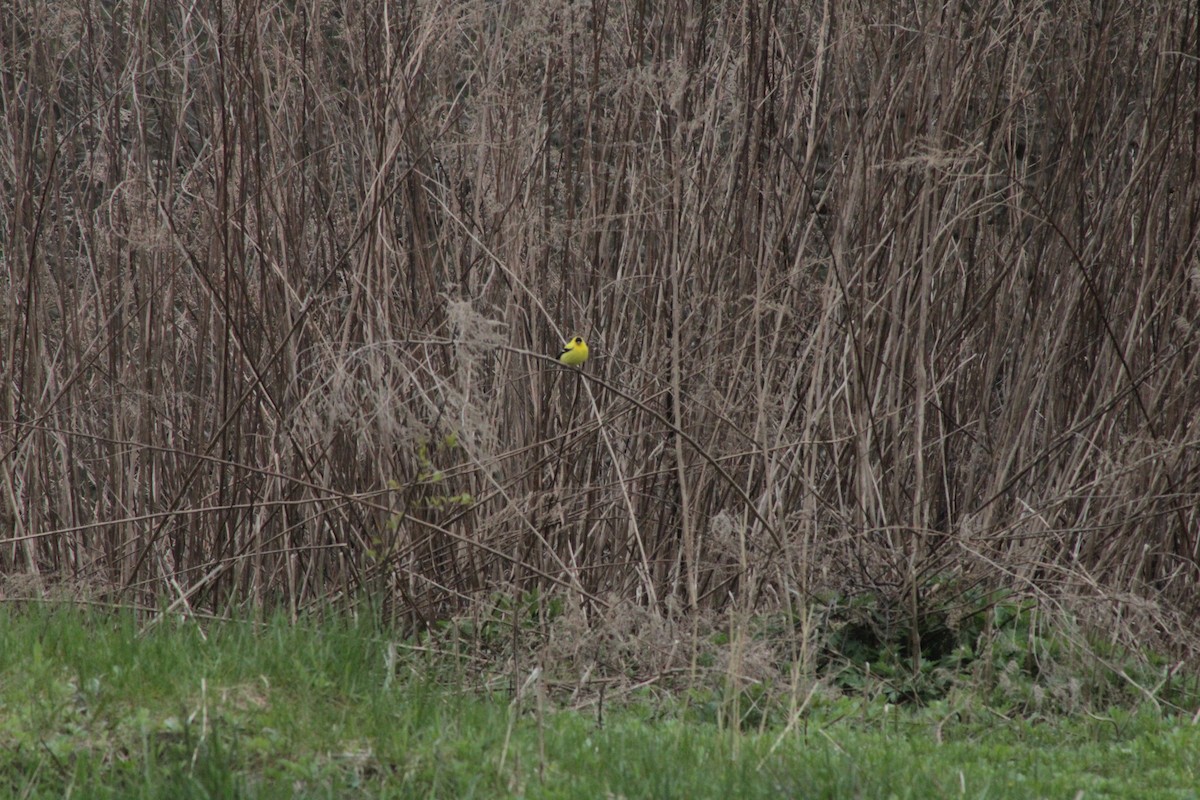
893, 308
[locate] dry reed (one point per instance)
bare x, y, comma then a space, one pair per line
880, 299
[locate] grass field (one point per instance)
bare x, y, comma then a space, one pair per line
92, 707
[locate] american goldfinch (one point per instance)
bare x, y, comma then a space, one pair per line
574, 352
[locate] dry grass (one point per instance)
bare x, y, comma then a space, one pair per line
880, 299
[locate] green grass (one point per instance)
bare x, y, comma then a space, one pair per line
88, 708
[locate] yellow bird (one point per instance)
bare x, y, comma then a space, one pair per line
574, 352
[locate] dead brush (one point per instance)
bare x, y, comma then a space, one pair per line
883, 303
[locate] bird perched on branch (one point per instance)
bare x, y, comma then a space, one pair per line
574, 352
